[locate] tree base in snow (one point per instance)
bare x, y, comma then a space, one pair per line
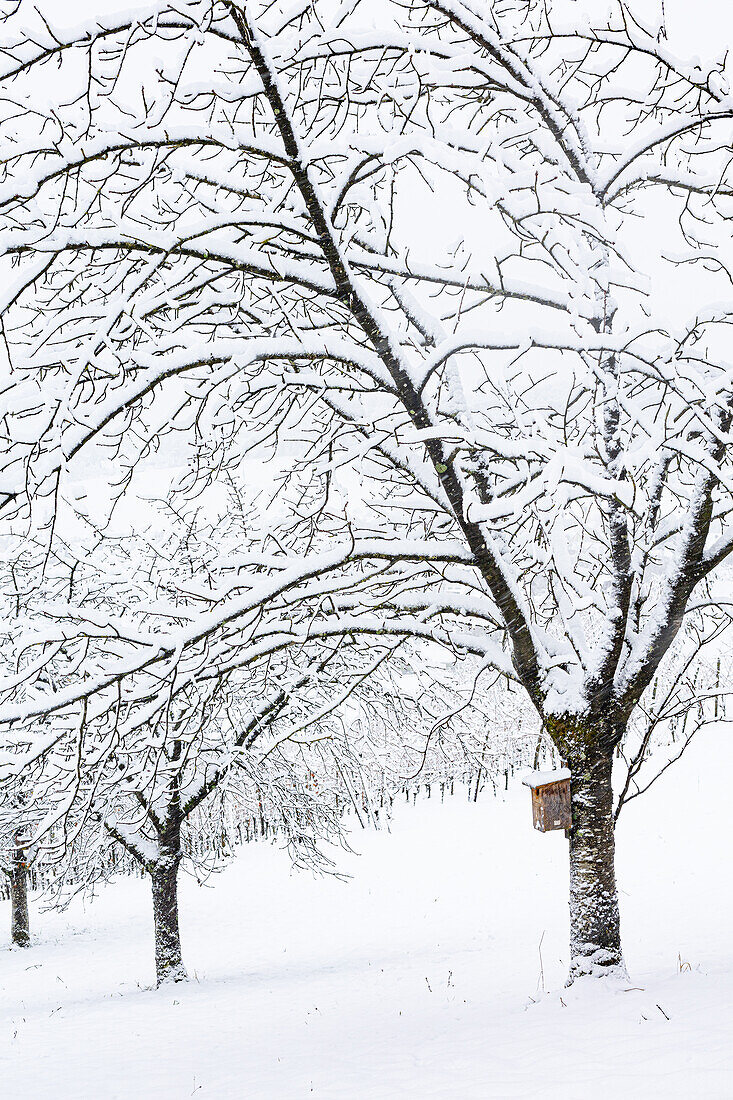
174, 974
600, 963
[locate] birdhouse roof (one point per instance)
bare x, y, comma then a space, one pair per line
541, 779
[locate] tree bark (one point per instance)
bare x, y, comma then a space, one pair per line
168, 959
19, 923
595, 927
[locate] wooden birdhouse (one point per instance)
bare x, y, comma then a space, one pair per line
550, 799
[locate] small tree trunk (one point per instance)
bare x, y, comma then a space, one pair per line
19, 924
595, 930
168, 959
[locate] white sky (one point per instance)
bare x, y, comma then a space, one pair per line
703, 27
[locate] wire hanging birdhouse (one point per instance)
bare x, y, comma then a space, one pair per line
550, 799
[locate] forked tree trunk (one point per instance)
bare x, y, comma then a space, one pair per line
19, 924
168, 959
595, 930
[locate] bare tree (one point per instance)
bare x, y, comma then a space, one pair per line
189, 671
15, 866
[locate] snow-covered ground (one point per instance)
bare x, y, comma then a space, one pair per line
421, 977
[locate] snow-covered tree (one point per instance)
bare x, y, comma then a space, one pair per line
580, 428
14, 860
427, 253
190, 674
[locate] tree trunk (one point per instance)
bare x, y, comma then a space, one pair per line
19, 924
595, 931
168, 960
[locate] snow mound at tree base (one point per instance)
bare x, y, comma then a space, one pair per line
598, 963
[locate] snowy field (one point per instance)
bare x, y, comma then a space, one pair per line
421, 977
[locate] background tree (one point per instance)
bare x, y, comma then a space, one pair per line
15, 862
191, 671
